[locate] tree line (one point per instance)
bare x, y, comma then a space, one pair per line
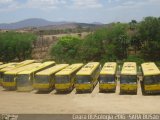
113, 43
16, 46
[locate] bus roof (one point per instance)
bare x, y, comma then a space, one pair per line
88, 68
129, 68
70, 69
17, 70
53, 69
25, 62
11, 67
38, 67
109, 68
17, 65
150, 68
6, 65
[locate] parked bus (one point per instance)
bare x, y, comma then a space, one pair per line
87, 77
9, 79
4, 68
25, 78
107, 77
45, 80
11, 66
128, 78
65, 79
151, 78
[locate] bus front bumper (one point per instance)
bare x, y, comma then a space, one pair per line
42, 87
107, 87
25, 89
83, 87
128, 88
152, 88
63, 87
9, 85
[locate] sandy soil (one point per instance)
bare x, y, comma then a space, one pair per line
15, 102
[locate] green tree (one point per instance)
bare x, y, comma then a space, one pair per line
108, 43
149, 32
16, 45
66, 49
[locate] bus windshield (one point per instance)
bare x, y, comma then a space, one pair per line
8, 78
107, 78
22, 79
128, 79
62, 79
42, 79
149, 80
83, 79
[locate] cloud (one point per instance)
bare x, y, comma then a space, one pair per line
8, 5
130, 4
44, 4
110, 1
86, 4
6, 1
76, 4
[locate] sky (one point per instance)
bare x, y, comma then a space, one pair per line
86, 11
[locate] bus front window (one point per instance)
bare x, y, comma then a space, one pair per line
107, 79
8, 78
150, 80
22, 80
41, 79
62, 79
128, 79
83, 79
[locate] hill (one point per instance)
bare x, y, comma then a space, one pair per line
43, 24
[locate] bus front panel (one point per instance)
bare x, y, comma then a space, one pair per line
128, 83
43, 83
24, 82
9, 81
151, 83
84, 83
64, 83
107, 83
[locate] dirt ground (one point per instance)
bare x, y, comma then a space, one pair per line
95, 102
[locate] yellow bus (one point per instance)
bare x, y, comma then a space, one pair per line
128, 78
87, 77
25, 78
107, 77
45, 80
11, 66
4, 68
151, 78
65, 79
9, 80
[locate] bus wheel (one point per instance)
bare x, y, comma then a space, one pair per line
135, 92
144, 93
121, 92
100, 91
